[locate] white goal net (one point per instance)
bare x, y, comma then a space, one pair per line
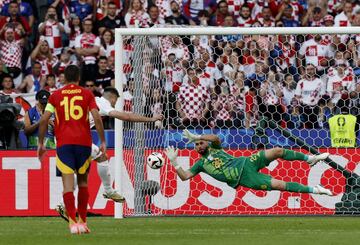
256, 88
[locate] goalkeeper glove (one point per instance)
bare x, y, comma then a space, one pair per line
172, 153
190, 137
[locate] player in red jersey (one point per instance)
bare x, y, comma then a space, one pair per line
71, 105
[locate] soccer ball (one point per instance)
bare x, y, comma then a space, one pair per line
155, 160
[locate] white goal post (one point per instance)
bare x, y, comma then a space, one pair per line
132, 152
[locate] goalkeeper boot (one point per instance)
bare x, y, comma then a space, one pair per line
316, 158
74, 228
83, 228
322, 191
60, 208
114, 195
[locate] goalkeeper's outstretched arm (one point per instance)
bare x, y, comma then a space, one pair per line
172, 153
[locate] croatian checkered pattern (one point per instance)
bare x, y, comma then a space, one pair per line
224, 104
193, 100
11, 53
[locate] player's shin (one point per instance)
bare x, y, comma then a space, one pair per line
296, 187
104, 173
69, 202
83, 198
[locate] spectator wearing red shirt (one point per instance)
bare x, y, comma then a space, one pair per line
19, 23
251, 108
193, 100
25, 11
222, 11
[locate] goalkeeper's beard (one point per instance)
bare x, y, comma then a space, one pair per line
203, 151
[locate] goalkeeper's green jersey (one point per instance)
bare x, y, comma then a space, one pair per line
220, 165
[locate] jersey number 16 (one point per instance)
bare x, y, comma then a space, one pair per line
70, 109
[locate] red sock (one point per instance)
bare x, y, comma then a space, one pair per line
83, 198
69, 201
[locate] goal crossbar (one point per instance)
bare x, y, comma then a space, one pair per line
236, 30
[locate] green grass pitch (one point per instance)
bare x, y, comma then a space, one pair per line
185, 230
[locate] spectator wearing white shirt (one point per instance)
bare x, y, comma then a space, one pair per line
178, 48
107, 43
204, 77
52, 29
87, 46
309, 91
345, 17
173, 74
73, 29
271, 94
136, 15
11, 54
316, 53
341, 82
288, 89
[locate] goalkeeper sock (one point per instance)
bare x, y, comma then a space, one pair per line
69, 202
296, 187
104, 173
83, 199
294, 155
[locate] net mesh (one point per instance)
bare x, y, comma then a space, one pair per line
226, 84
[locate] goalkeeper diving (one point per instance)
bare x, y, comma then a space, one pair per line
242, 171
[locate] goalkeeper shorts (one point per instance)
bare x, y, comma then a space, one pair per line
251, 177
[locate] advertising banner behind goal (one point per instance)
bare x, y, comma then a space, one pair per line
29, 188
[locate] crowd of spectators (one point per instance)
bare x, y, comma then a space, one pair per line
219, 81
